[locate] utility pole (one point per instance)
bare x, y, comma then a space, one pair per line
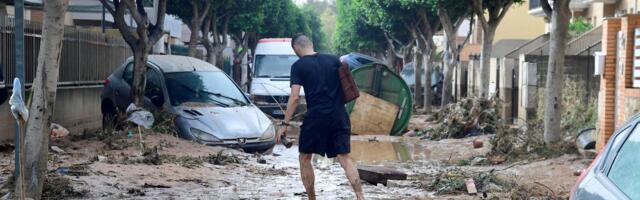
19, 45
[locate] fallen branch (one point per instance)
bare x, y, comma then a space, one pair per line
553, 193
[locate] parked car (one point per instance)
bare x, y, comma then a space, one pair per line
270, 87
614, 173
210, 108
357, 60
409, 76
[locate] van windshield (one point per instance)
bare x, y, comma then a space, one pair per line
274, 66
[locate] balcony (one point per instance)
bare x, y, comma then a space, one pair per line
535, 7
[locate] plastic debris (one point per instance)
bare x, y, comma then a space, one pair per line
57, 149
58, 131
18, 107
140, 116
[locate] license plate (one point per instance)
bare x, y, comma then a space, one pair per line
278, 112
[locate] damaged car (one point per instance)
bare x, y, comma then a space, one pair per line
209, 107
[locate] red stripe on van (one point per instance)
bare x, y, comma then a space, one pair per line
265, 40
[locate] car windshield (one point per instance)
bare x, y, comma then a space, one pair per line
203, 87
274, 66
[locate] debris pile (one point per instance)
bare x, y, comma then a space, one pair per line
223, 158
60, 187
468, 117
454, 181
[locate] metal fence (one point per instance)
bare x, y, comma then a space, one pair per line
87, 57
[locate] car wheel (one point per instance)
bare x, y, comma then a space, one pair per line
109, 117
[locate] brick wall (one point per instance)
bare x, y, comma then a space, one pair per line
606, 108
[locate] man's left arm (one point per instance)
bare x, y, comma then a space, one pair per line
292, 104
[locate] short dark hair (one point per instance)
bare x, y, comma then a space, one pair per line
300, 39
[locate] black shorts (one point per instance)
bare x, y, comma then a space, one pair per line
326, 135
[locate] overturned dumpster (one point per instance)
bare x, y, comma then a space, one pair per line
385, 103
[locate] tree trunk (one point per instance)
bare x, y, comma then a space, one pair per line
237, 66
553, 98
139, 74
447, 83
44, 96
417, 66
428, 92
487, 47
194, 26
210, 55
392, 59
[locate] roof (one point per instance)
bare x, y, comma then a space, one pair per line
173, 63
504, 47
529, 46
587, 42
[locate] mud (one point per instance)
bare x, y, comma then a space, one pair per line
189, 171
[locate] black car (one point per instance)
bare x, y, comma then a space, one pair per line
615, 173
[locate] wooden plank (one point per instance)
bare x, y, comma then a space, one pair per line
378, 174
372, 116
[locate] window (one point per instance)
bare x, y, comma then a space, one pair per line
203, 87
127, 75
624, 172
274, 66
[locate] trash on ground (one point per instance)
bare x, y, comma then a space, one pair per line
57, 149
18, 107
149, 185
140, 116
465, 118
471, 186
57, 131
377, 174
477, 143
60, 187
74, 170
152, 157
222, 158
586, 139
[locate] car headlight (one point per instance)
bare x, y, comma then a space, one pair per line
204, 136
269, 133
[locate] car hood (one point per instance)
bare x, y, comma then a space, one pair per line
226, 122
271, 87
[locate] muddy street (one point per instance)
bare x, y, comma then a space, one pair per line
180, 169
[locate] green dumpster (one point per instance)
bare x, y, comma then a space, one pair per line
381, 82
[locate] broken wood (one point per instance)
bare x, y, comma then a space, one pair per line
378, 174
471, 186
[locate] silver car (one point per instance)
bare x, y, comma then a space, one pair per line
209, 106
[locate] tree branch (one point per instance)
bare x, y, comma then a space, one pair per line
140, 20
546, 8
479, 11
140, 8
205, 12
156, 32
505, 9
118, 16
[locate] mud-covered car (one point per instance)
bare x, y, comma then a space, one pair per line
614, 174
209, 107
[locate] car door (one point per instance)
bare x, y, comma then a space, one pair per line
122, 92
623, 172
154, 92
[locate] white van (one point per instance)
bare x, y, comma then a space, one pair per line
270, 75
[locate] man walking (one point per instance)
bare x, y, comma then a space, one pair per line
326, 128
